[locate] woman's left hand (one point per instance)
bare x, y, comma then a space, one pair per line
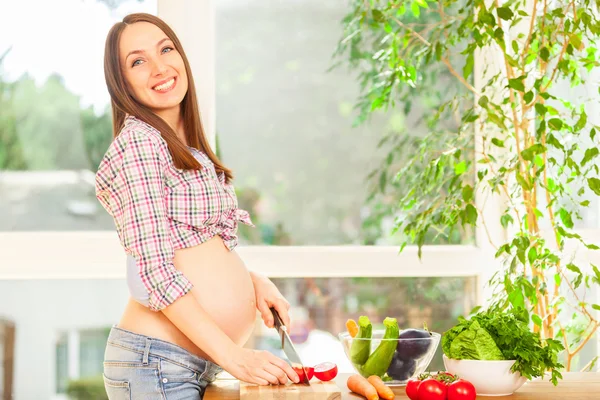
267, 296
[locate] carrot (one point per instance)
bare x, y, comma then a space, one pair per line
361, 386
385, 392
352, 327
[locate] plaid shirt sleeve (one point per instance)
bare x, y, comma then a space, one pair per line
136, 201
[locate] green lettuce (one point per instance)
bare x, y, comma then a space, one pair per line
501, 334
474, 343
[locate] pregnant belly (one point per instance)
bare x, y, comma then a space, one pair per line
222, 285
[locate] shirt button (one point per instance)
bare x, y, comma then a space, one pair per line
165, 380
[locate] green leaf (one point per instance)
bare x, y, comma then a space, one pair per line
474, 343
557, 279
382, 181
528, 97
524, 184
506, 219
552, 187
460, 168
589, 155
532, 255
581, 122
594, 184
515, 46
471, 214
378, 15
416, 10
536, 319
496, 120
539, 161
467, 193
516, 84
469, 64
596, 307
505, 13
422, 3
565, 217
574, 268
553, 141
585, 203
483, 101
544, 54
596, 273
540, 108
497, 142
516, 298
555, 123
532, 151
576, 42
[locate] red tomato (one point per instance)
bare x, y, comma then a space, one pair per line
310, 371
326, 371
461, 390
431, 389
412, 388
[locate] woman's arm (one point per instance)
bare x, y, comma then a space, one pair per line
267, 296
254, 366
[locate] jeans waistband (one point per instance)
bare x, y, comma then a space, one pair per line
141, 343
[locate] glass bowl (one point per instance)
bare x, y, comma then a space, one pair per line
411, 356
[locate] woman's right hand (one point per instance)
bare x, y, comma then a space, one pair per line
260, 367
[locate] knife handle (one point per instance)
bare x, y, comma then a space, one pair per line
278, 322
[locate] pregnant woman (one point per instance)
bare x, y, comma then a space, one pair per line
193, 302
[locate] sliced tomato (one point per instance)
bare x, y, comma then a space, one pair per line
326, 371
310, 371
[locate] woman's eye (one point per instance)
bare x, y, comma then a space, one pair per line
136, 62
169, 48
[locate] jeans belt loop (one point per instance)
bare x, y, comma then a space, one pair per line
146, 351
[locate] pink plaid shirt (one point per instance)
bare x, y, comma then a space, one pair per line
158, 208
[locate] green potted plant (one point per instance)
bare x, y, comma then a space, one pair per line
498, 130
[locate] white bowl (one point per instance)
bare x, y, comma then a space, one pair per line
490, 378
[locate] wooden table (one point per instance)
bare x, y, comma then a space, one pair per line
575, 385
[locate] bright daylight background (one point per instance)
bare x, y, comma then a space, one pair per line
279, 120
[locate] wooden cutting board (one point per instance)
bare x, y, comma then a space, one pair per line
316, 391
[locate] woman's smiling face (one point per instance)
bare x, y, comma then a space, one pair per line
152, 67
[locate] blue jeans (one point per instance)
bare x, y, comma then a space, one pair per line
138, 367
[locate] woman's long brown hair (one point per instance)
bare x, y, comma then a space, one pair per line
123, 103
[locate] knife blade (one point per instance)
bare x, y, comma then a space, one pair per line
288, 346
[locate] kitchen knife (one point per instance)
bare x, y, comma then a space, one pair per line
288, 346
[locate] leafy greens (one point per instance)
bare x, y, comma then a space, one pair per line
503, 335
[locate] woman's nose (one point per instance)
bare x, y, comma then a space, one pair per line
158, 68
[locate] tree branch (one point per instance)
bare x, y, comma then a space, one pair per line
444, 59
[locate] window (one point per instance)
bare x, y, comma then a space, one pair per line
284, 126
92, 344
55, 121
79, 355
